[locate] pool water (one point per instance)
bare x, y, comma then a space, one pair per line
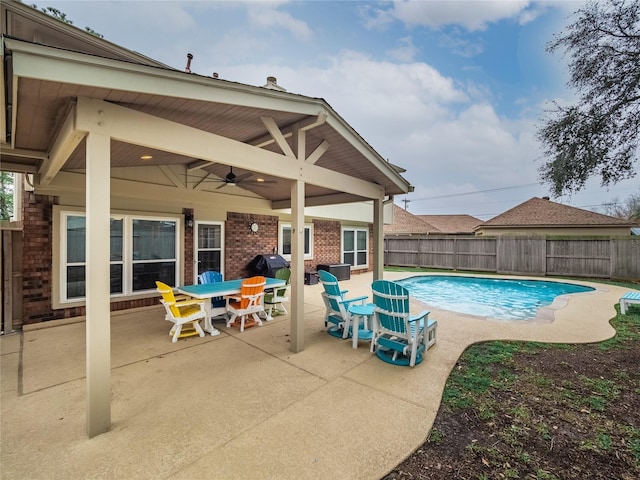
488, 297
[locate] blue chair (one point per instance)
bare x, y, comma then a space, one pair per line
337, 305
398, 337
218, 304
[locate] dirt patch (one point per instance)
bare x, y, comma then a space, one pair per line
545, 412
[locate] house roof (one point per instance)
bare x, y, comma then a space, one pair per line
541, 212
195, 128
405, 223
452, 224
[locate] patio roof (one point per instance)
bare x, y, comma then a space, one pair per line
46, 85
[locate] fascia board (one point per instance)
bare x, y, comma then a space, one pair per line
51, 64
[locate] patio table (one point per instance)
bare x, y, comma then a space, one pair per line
365, 312
221, 289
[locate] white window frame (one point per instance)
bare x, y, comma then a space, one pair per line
355, 231
281, 227
127, 261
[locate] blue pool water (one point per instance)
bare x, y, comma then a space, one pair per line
488, 297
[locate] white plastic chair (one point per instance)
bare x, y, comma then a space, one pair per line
249, 303
182, 312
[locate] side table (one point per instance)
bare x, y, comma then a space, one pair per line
363, 312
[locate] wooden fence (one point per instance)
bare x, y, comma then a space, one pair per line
615, 258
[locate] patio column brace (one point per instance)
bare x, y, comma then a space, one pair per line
97, 274
378, 238
297, 266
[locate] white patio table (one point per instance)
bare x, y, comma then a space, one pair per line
221, 289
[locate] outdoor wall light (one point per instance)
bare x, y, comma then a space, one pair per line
254, 227
188, 221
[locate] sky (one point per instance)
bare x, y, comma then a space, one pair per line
452, 91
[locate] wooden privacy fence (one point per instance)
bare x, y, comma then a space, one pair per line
597, 258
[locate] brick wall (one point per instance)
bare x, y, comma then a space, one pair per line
37, 258
327, 237
242, 245
188, 246
326, 244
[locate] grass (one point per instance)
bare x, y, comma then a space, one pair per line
481, 373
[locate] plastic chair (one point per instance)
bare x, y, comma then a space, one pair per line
218, 304
181, 312
398, 337
279, 295
337, 306
249, 303
628, 299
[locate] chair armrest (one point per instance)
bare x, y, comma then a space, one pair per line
356, 299
184, 303
420, 316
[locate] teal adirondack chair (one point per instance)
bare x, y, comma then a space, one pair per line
337, 305
398, 337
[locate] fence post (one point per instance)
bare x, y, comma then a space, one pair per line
455, 254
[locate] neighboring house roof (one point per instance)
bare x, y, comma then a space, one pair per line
405, 223
541, 212
452, 224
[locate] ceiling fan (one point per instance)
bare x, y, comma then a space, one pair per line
231, 179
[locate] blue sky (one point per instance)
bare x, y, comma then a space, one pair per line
453, 91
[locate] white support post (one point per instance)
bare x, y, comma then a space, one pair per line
378, 238
98, 328
297, 266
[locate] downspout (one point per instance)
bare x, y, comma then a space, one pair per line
8, 96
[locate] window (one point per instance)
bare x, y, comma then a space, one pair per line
209, 247
142, 250
355, 247
284, 241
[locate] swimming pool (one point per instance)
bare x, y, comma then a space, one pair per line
506, 299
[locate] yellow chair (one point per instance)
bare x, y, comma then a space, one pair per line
182, 312
249, 303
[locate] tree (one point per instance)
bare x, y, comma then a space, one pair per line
629, 209
55, 13
600, 134
6, 195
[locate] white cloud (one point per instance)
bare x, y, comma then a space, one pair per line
266, 16
405, 52
448, 136
470, 14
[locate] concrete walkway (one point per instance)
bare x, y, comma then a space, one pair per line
241, 405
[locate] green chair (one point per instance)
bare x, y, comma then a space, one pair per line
274, 299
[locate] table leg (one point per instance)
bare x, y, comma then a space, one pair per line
355, 326
208, 322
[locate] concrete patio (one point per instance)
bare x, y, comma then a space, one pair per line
241, 405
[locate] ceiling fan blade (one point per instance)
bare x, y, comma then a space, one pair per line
240, 178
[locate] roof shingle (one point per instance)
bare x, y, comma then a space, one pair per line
452, 224
543, 212
407, 223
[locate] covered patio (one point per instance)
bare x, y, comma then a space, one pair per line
242, 405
